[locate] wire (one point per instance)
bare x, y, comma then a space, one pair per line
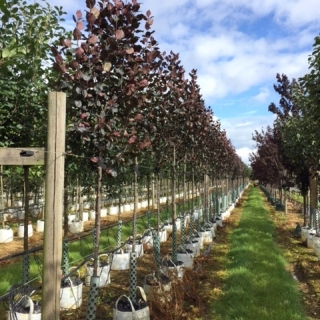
68, 154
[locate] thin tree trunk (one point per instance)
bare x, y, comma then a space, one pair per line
135, 196
158, 202
97, 224
305, 219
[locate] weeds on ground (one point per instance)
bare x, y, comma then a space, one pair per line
182, 301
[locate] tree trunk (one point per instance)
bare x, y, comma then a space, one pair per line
135, 197
158, 202
305, 220
97, 224
313, 195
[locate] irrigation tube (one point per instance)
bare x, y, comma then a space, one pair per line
71, 239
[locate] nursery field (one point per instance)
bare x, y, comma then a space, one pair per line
183, 302
201, 294
36, 240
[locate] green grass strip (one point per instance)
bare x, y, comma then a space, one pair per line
257, 285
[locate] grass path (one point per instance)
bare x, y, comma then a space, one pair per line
257, 284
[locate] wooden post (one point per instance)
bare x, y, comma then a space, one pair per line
1, 187
25, 265
26, 207
52, 246
65, 210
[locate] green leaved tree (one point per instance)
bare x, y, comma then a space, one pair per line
26, 33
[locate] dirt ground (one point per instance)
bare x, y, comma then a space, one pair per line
36, 240
303, 264
190, 299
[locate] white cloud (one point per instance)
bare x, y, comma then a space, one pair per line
240, 129
215, 118
245, 124
296, 13
263, 95
251, 65
244, 153
288, 12
229, 61
248, 113
233, 61
180, 30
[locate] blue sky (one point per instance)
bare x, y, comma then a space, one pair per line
237, 46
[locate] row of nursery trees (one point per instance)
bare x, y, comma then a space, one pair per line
131, 108
288, 154
127, 100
